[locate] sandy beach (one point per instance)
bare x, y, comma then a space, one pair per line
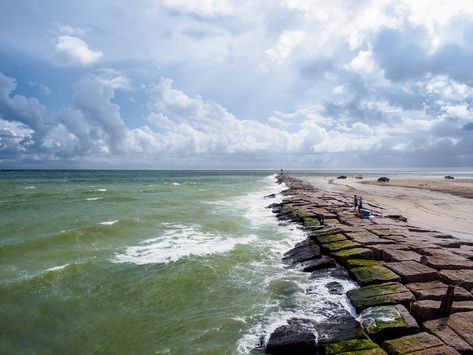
438, 204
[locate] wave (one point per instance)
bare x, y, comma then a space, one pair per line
178, 242
93, 198
109, 223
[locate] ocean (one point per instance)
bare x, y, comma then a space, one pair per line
148, 262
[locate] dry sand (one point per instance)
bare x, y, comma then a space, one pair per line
442, 205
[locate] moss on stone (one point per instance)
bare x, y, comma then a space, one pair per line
331, 238
352, 263
349, 346
340, 245
373, 275
311, 221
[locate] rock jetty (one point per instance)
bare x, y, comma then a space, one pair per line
405, 303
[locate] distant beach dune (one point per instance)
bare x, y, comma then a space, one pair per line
435, 203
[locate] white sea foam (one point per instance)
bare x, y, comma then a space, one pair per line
56, 268
109, 223
30, 187
101, 190
180, 241
94, 198
176, 184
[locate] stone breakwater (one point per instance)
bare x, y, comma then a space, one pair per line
404, 273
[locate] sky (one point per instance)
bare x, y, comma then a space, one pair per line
247, 84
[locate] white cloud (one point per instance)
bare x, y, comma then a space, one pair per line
287, 42
72, 50
205, 8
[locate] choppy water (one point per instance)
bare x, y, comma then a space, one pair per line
147, 262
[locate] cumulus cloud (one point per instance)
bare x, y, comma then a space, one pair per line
205, 8
71, 50
332, 82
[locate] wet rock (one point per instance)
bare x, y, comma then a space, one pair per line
339, 327
423, 342
356, 253
380, 295
324, 262
463, 278
270, 196
435, 290
387, 322
455, 331
425, 310
335, 288
354, 346
412, 271
372, 275
304, 252
336, 272
297, 337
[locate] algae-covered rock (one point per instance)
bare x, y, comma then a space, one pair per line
413, 343
387, 322
353, 346
330, 238
356, 253
373, 275
379, 295
341, 245
352, 263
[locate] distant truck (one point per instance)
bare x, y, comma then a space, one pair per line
341, 177
383, 179
359, 177
449, 177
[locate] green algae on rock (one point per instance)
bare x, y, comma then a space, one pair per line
387, 322
352, 263
356, 253
340, 245
379, 295
371, 275
354, 346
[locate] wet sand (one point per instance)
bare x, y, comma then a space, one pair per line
430, 203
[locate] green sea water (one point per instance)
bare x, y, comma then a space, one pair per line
147, 262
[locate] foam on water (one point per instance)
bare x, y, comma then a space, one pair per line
56, 268
179, 241
293, 293
176, 184
109, 223
94, 198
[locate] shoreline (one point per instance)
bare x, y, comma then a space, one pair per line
440, 211
403, 271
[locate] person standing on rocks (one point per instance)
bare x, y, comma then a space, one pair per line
360, 203
355, 201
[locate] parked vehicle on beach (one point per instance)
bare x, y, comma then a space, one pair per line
359, 177
341, 177
383, 179
449, 177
